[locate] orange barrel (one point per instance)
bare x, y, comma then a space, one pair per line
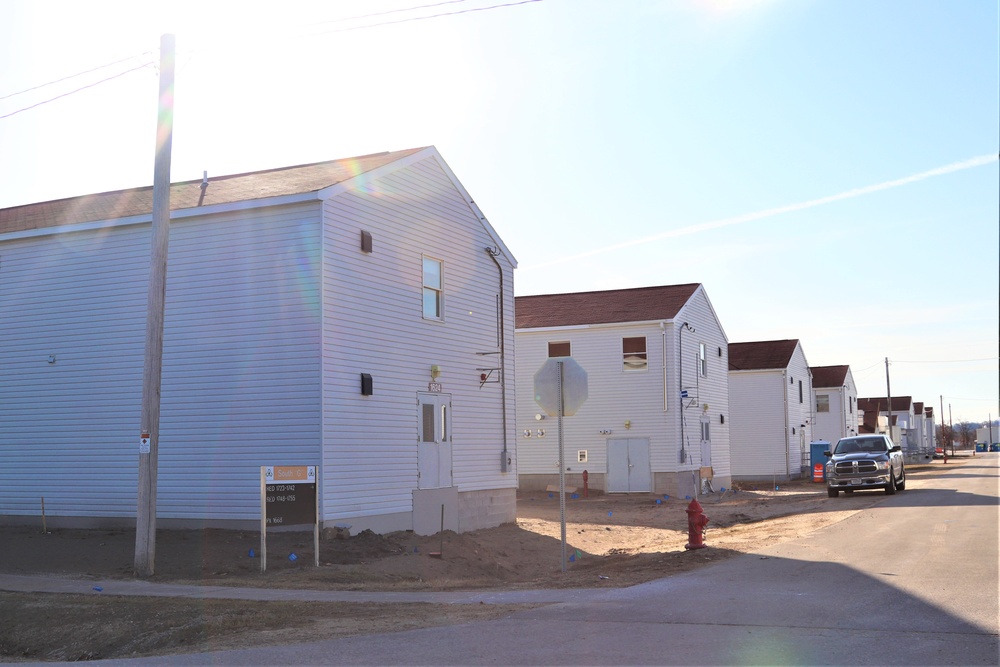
818, 472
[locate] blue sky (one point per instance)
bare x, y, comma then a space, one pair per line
826, 168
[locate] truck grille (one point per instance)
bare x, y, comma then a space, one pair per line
851, 467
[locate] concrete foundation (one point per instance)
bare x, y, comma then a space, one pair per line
675, 484
464, 512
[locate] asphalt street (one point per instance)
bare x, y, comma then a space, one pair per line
910, 581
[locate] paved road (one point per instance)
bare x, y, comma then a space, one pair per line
911, 581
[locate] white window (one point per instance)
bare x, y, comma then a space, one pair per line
433, 289
634, 354
822, 402
702, 360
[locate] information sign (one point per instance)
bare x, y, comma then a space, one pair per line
288, 497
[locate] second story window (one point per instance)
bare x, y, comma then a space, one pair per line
822, 402
433, 289
702, 360
634, 354
559, 349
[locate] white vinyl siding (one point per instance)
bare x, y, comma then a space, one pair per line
273, 312
757, 434
239, 375
771, 429
615, 396
373, 324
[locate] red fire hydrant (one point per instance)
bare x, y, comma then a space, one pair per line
696, 525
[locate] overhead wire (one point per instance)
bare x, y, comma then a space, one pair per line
943, 361
73, 76
72, 92
353, 18
423, 18
392, 11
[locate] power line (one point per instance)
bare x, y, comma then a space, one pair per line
391, 11
354, 18
89, 85
73, 76
429, 16
289, 35
942, 361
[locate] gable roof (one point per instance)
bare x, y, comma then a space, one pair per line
829, 376
640, 304
188, 194
899, 404
761, 355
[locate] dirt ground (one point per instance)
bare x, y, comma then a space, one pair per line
612, 541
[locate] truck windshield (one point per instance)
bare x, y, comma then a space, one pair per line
861, 445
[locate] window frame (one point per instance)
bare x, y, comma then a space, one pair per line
642, 355
437, 291
703, 360
823, 408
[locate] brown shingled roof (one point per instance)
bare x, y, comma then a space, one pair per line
828, 376
221, 190
899, 404
761, 355
642, 304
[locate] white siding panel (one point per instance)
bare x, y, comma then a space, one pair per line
68, 429
374, 324
757, 431
241, 381
616, 395
709, 393
800, 411
240, 370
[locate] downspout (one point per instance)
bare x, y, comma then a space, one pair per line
494, 253
663, 342
784, 385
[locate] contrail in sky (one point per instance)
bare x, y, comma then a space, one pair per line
767, 213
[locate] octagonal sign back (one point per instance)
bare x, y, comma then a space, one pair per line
574, 386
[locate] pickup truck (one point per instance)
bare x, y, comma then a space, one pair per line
865, 462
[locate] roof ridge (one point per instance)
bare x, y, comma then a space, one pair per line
608, 291
221, 177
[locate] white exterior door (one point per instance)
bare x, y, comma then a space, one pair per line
434, 441
628, 466
706, 442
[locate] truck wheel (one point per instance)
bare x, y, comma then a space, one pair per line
832, 492
890, 488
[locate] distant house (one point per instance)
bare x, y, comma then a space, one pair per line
657, 416
912, 426
835, 399
770, 397
335, 314
923, 431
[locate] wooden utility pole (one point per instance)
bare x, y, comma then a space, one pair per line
951, 431
888, 397
145, 516
942, 424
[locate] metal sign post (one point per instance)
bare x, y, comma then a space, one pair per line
562, 467
560, 389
